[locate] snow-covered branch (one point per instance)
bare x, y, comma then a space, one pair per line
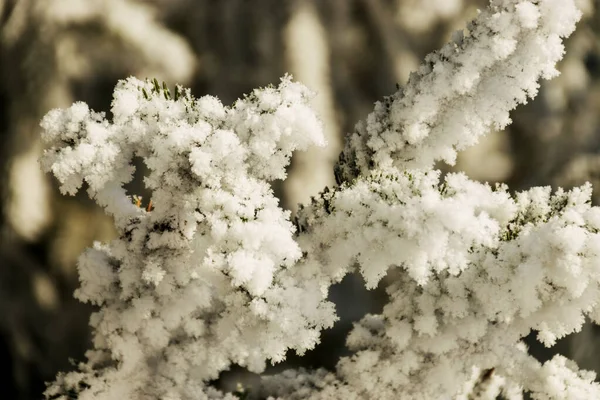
188, 288
462, 91
213, 272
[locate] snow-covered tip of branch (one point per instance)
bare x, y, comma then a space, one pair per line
192, 284
472, 271
464, 90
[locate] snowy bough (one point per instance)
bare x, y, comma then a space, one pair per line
214, 272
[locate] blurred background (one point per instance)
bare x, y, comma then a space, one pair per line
351, 52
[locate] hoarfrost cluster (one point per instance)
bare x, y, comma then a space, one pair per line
214, 273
